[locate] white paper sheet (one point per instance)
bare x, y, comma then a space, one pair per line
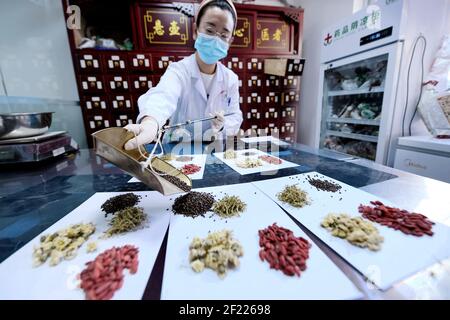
253, 279
19, 280
266, 167
401, 255
265, 139
197, 159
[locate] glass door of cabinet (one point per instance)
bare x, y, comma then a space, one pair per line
353, 96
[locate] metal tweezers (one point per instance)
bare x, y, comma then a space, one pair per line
193, 121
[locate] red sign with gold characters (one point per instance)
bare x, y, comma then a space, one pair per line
166, 27
243, 32
272, 34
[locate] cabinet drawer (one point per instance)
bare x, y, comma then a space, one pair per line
122, 103
254, 82
253, 99
295, 67
271, 113
140, 62
141, 84
97, 122
272, 98
88, 63
235, 63
287, 127
117, 83
121, 120
291, 82
241, 99
91, 83
255, 65
272, 82
241, 85
271, 128
94, 103
288, 114
288, 138
251, 128
249, 114
291, 97
160, 63
115, 62
287, 131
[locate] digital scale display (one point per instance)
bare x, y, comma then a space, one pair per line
376, 36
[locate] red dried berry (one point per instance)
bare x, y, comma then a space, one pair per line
409, 223
103, 276
283, 251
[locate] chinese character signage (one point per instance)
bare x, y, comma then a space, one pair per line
347, 37
272, 34
166, 27
242, 34
371, 20
368, 21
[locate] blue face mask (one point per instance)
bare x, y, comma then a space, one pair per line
210, 48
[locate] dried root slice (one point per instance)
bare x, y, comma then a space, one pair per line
61, 245
248, 163
357, 231
219, 252
230, 154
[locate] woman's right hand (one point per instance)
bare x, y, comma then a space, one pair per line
145, 132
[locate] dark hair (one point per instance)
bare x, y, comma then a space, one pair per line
222, 4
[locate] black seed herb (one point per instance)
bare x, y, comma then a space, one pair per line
193, 204
324, 185
117, 203
174, 180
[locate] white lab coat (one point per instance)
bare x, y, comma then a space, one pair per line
180, 96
